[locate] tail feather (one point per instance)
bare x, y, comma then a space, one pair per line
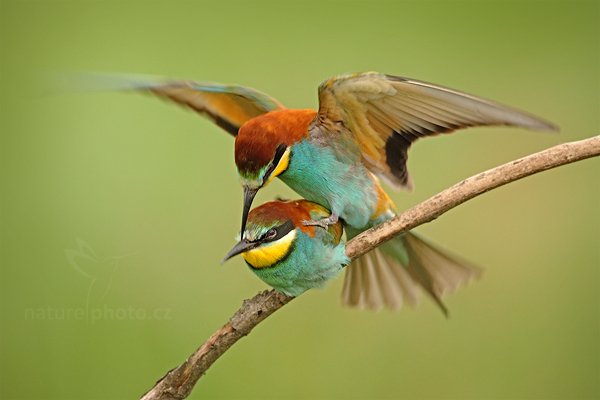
406, 286
390, 275
352, 291
373, 292
448, 272
390, 287
423, 276
375, 280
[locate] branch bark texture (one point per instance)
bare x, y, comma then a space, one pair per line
179, 382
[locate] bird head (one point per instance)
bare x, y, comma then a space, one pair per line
269, 235
263, 149
273, 229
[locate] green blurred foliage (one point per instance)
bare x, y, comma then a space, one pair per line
117, 208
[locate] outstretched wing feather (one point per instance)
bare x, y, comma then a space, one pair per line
376, 108
229, 106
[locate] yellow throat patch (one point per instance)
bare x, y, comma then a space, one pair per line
282, 165
268, 254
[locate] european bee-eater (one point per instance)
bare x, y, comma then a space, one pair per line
293, 257
286, 254
364, 127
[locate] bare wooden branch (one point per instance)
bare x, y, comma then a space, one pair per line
435, 206
179, 382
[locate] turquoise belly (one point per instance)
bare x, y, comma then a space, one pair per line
311, 263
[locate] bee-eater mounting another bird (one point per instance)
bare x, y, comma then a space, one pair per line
363, 128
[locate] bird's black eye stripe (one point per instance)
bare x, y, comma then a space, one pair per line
278, 154
279, 232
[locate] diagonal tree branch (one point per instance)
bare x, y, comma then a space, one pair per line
179, 382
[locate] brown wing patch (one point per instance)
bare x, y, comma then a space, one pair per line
385, 114
228, 110
229, 106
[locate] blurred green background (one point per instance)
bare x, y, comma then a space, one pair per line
117, 208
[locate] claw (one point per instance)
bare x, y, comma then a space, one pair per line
323, 222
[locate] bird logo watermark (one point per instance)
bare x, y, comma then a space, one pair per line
99, 272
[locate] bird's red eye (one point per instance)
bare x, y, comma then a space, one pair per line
271, 234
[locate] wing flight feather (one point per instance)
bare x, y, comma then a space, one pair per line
386, 114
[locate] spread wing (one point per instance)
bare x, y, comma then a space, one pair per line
385, 114
229, 106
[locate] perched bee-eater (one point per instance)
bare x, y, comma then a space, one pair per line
363, 128
293, 257
287, 254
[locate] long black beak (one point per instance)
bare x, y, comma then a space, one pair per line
240, 247
248, 197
